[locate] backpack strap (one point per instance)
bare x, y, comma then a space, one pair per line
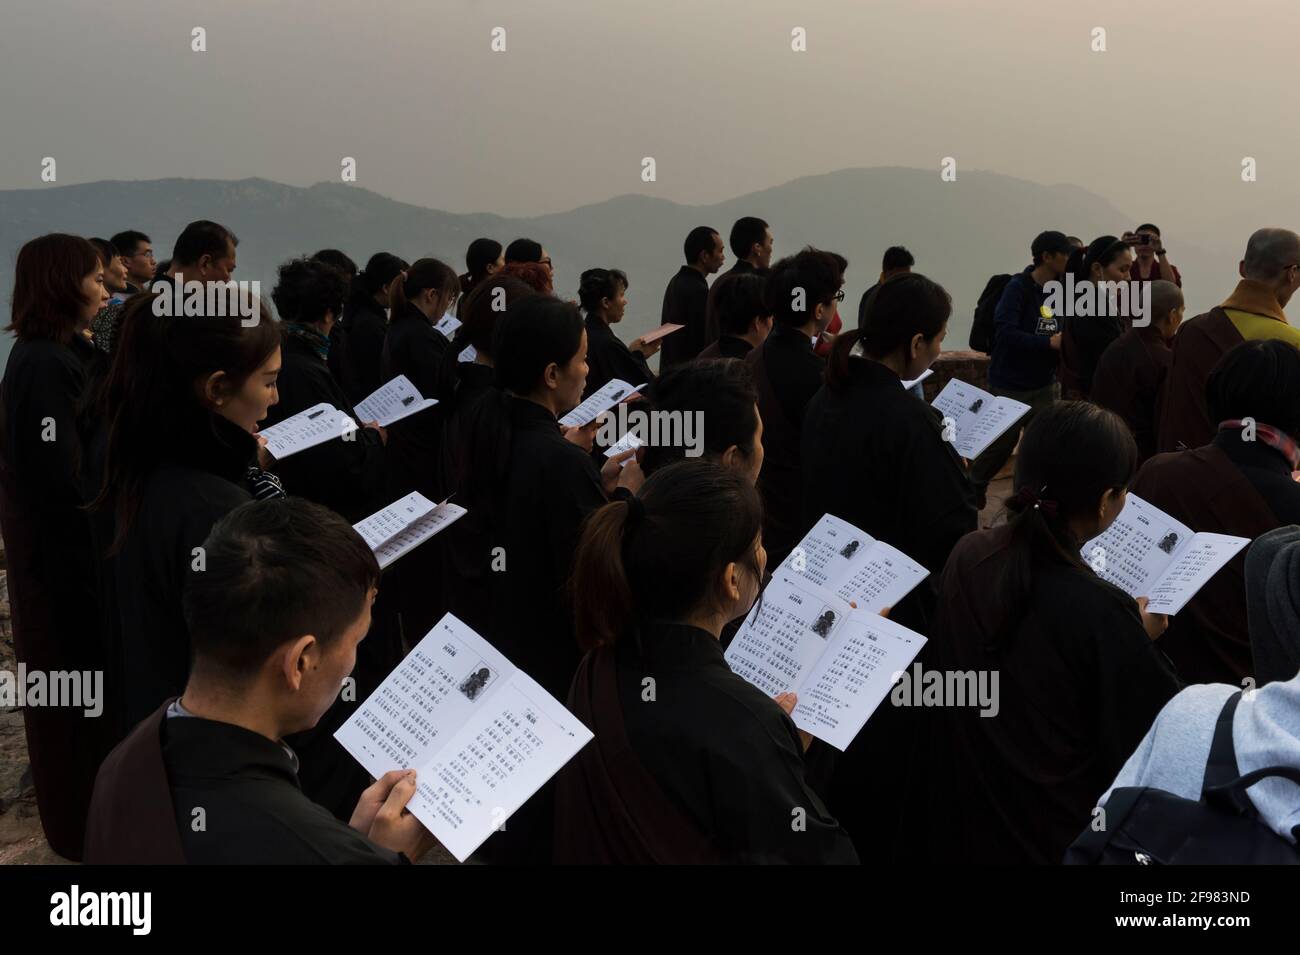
1225, 787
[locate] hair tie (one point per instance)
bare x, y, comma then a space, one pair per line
1027, 498
635, 511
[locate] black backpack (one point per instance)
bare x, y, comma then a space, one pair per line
1147, 826
981, 331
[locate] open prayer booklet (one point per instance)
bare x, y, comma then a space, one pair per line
306, 429
868, 573
406, 524
1146, 553
481, 734
978, 417
447, 325
393, 401
841, 662
663, 330
598, 402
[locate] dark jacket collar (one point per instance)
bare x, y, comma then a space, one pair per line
196, 748
1255, 454
528, 415
212, 443
864, 371
598, 329
693, 274
408, 312
673, 645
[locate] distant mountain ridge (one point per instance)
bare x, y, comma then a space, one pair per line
960, 232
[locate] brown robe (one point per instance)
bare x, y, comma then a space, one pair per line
1198, 346
1129, 379
1208, 640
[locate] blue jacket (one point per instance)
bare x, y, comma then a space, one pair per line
1023, 358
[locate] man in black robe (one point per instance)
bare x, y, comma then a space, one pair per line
275, 619
687, 296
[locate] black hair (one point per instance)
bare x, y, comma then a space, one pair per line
817, 273
481, 311
337, 259
128, 241
381, 269
889, 315
306, 289
597, 284
107, 251
722, 393
202, 238
745, 234
274, 571
425, 274
1258, 380
524, 250
664, 561
698, 241
735, 300
896, 257
1102, 251
480, 254
1072, 453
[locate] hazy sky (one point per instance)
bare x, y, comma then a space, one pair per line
1158, 123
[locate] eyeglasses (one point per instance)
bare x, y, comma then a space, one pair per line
546, 262
839, 296
146, 252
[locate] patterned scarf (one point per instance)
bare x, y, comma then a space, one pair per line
318, 342
1279, 441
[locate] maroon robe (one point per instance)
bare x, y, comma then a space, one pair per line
1208, 640
1129, 379
1198, 346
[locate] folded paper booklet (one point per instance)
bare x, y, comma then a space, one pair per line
468, 354
447, 325
660, 332
978, 418
909, 385
306, 429
480, 733
599, 402
628, 442
1146, 553
841, 662
406, 524
393, 401
868, 573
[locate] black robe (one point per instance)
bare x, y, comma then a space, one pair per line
786, 374
1129, 379
344, 474
51, 571
710, 770
877, 459
1079, 684
366, 324
686, 301
1230, 486
609, 358
1083, 340
189, 790
414, 348
727, 346
201, 481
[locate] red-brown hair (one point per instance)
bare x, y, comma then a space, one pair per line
47, 298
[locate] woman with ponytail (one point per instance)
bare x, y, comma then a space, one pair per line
1079, 678
1084, 338
904, 484
690, 762
483, 258
365, 319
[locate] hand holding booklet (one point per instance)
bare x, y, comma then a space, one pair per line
978, 418
480, 733
598, 402
393, 401
661, 332
840, 661
406, 524
306, 429
1146, 553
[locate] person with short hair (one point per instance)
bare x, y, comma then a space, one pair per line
686, 299
136, 250
603, 295
721, 394
1270, 275
1150, 258
739, 311
205, 251
751, 244
274, 621
104, 325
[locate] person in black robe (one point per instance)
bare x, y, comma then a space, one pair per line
690, 762
533, 487
802, 292
1012, 777
365, 321
50, 562
207, 778
877, 458
739, 318
1085, 337
1239, 484
181, 408
1130, 375
603, 295
336, 354
718, 406
345, 474
414, 348
686, 298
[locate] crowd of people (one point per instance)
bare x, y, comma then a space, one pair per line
225, 596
